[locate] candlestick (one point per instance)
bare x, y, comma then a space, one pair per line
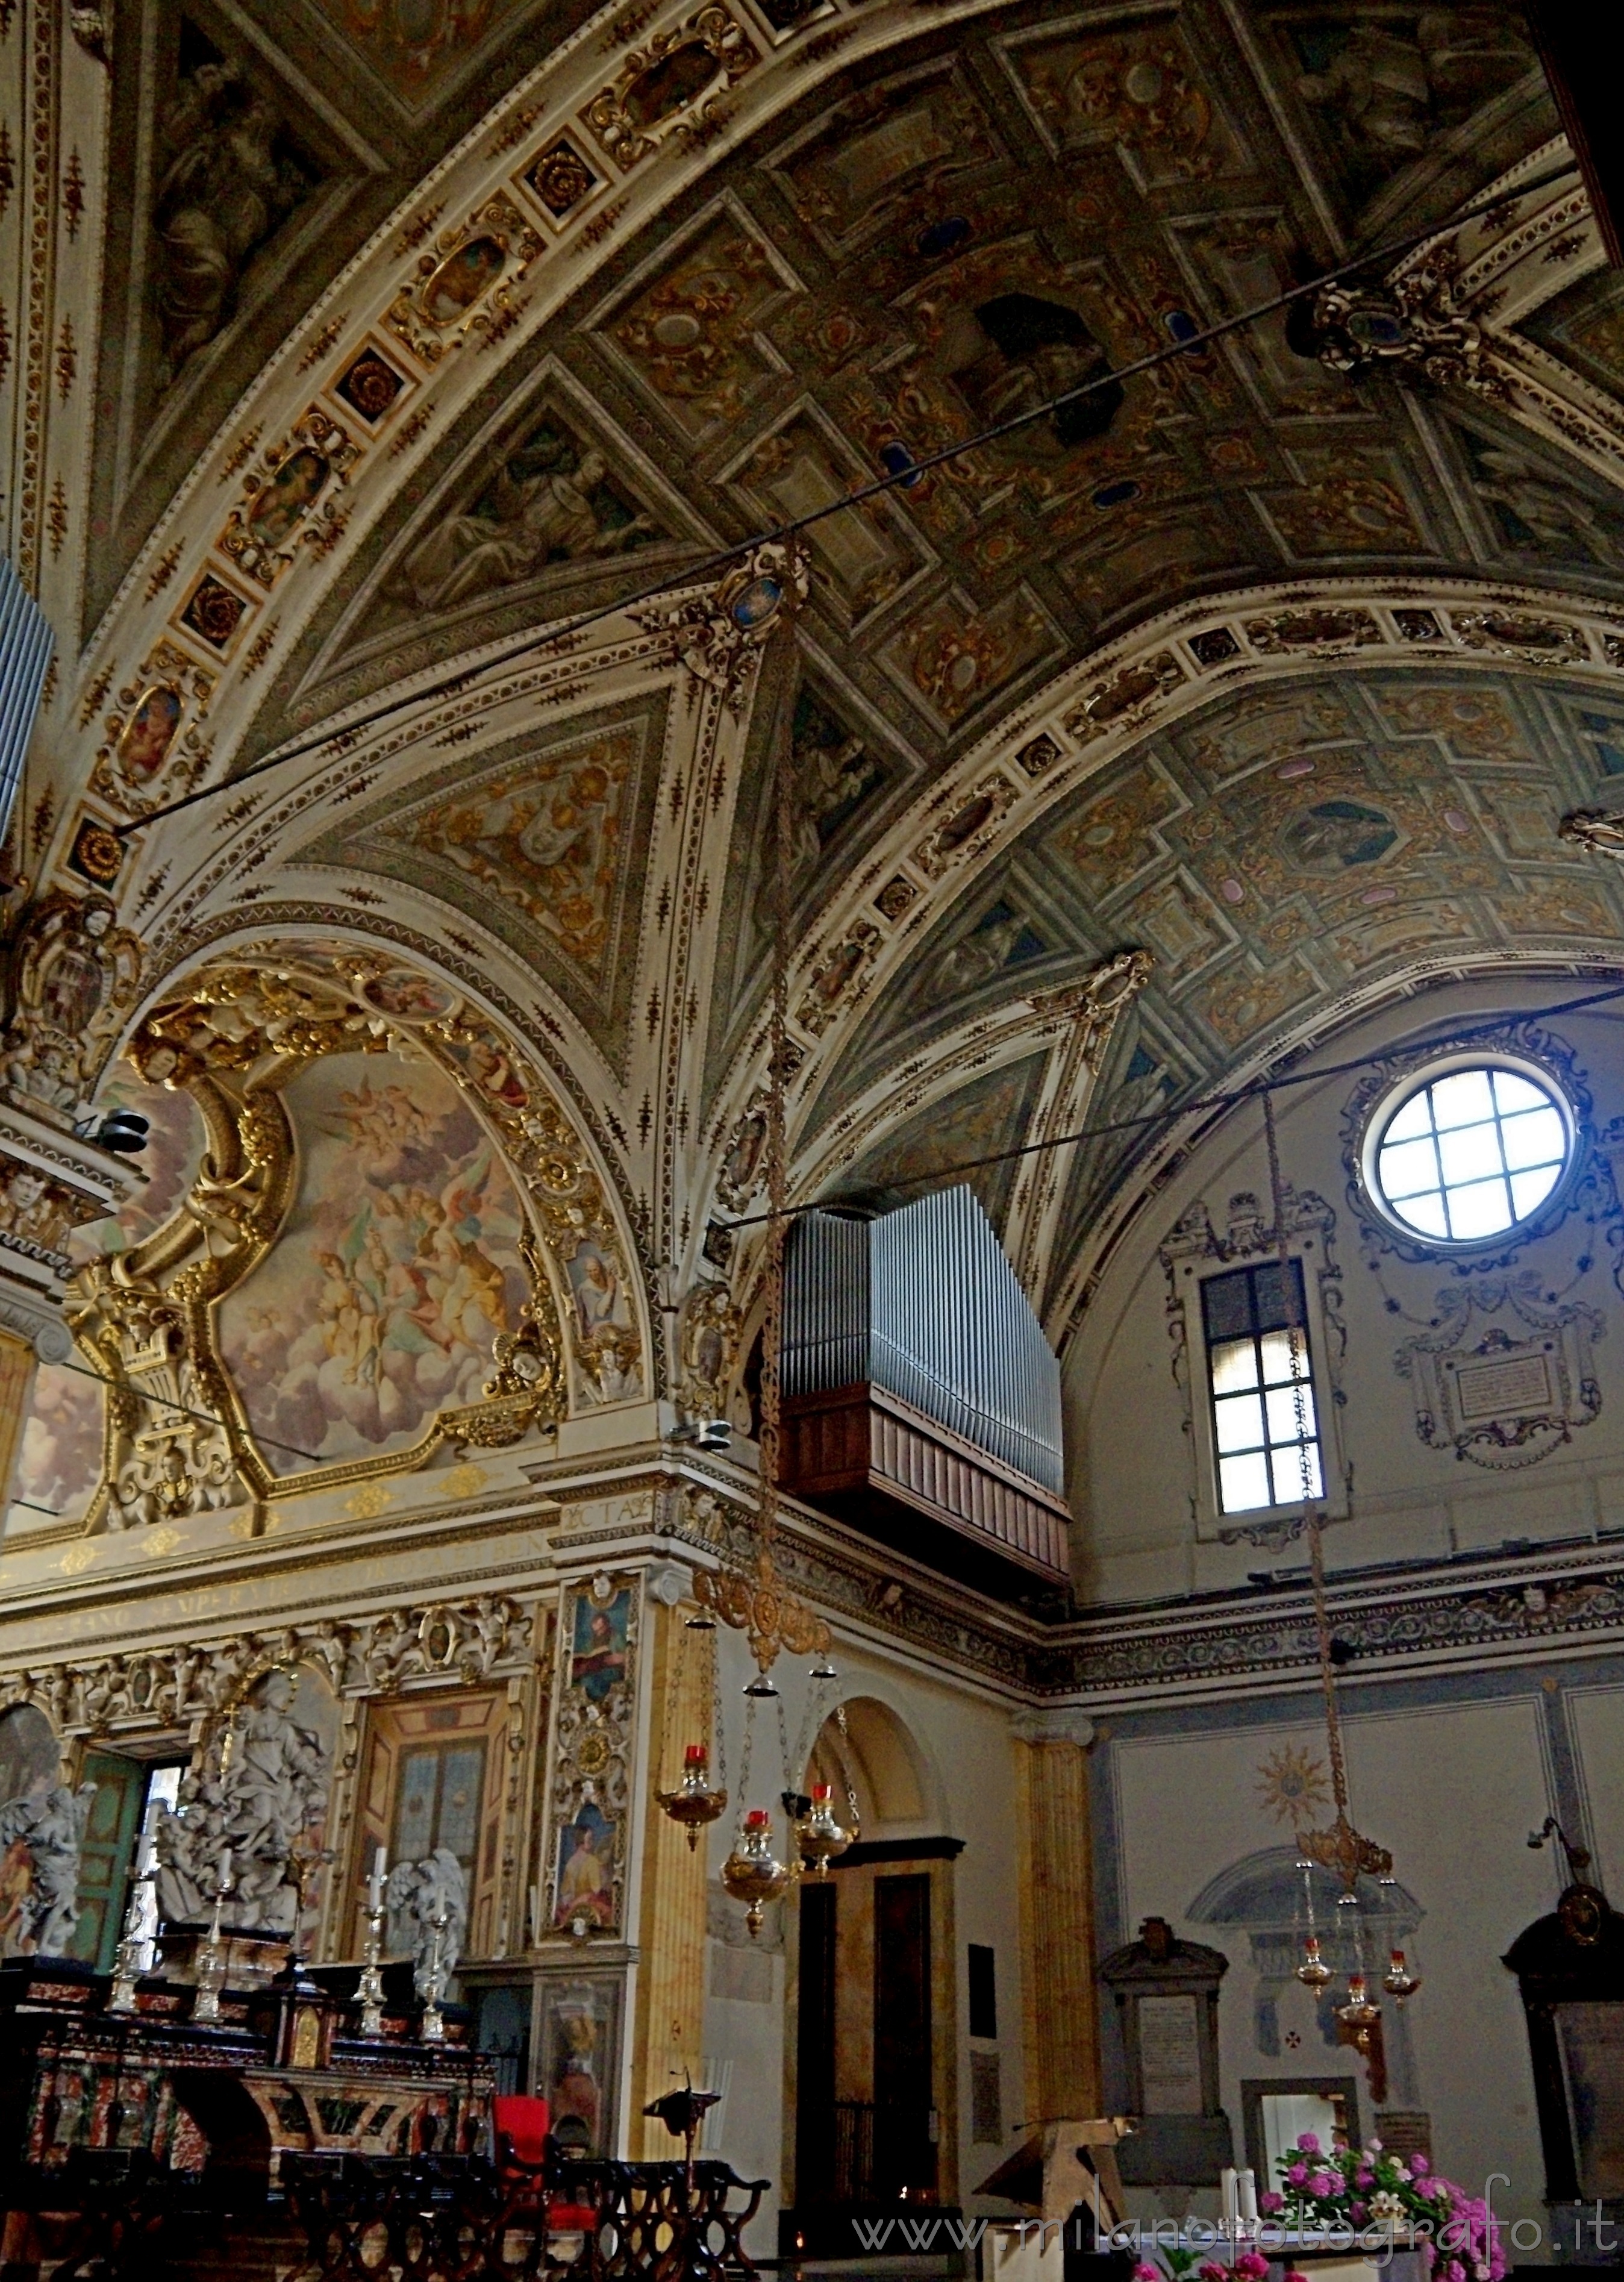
1246, 2185
1231, 2202
212, 1964
375, 1883
369, 1988
433, 2029
127, 1965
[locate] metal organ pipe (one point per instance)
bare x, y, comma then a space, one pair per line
923, 1302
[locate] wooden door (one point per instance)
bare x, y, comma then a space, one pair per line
905, 2115
105, 1857
814, 2070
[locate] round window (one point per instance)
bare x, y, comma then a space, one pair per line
1469, 1150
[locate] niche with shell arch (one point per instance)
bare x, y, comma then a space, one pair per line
878, 1755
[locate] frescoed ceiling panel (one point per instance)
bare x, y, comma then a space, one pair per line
1282, 852
255, 144
542, 841
992, 1112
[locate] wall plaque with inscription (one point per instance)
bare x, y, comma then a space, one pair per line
1167, 1999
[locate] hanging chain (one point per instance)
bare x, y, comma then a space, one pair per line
1341, 1847
1295, 1333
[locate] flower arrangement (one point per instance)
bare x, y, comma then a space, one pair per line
1356, 2191
1367, 2186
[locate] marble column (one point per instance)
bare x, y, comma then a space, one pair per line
669, 2030
1058, 1992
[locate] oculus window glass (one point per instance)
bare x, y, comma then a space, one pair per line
1469, 1150
1265, 1423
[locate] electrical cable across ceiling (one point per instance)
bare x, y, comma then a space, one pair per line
684, 579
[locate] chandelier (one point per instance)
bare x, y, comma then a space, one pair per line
1339, 1848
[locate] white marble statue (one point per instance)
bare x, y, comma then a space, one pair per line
417, 1894
51, 1824
251, 1802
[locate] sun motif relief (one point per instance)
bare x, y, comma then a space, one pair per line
1291, 1785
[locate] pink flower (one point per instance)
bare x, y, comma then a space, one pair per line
1268, 2204
1356, 2212
1298, 2174
1209, 2271
1364, 2178
1293, 2275
1324, 2183
1145, 2272
1420, 2165
1308, 2141
1250, 2268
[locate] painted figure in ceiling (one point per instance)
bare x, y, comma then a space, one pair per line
548, 501
229, 183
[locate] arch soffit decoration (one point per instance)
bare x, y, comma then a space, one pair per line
242, 594
1092, 717
232, 1030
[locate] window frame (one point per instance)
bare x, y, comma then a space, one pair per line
1252, 1269
1212, 1523
1416, 1079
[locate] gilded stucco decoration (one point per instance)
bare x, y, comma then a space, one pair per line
286, 1330
75, 972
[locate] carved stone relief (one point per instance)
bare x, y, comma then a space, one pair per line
250, 1810
1516, 1391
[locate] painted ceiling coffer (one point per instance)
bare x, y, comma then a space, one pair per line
922, 1400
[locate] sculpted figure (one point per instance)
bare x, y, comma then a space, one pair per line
1391, 92
223, 191
532, 520
75, 972
51, 1825
414, 1895
267, 1787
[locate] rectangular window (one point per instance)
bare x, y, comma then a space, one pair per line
1265, 1425
983, 1990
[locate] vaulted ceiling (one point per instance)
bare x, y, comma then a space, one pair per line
354, 348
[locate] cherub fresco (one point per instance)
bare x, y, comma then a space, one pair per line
381, 1302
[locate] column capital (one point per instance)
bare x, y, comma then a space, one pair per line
1062, 1725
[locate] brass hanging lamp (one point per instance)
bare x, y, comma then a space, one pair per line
1341, 1847
757, 607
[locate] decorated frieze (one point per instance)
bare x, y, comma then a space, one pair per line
435, 1644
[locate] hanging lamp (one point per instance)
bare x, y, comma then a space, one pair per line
1341, 1847
755, 606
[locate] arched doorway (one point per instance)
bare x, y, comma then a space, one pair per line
874, 2033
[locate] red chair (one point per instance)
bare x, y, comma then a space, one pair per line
522, 2127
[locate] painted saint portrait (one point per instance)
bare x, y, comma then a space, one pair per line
598, 1644
462, 278
398, 1267
281, 502
578, 2030
549, 498
1336, 836
148, 732
407, 996
586, 1869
